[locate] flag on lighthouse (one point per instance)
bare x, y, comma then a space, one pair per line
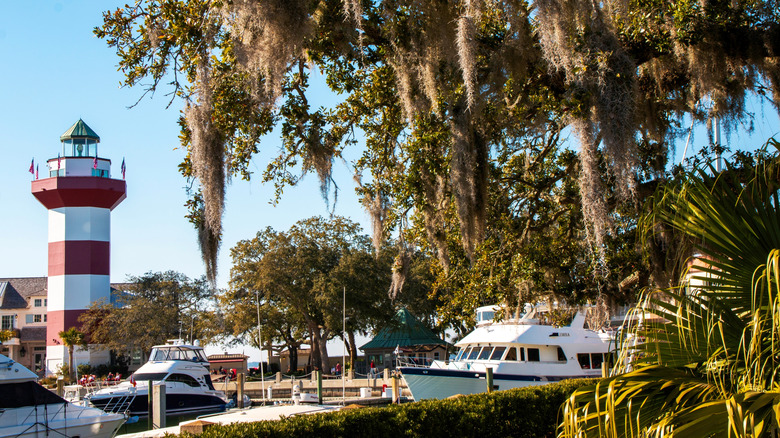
36, 172
58, 161
123, 168
94, 163
32, 166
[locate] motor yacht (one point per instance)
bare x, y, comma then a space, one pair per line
525, 351
182, 368
29, 410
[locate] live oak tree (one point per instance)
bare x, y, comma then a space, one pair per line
449, 98
303, 275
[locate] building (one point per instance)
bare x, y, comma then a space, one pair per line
79, 195
404, 335
23, 311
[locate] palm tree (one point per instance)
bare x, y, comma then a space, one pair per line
71, 338
712, 367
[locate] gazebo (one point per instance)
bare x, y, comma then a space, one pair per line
407, 336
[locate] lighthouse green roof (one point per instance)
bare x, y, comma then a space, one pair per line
79, 130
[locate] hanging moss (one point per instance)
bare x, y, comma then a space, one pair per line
207, 153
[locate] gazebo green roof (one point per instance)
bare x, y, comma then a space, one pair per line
404, 331
79, 130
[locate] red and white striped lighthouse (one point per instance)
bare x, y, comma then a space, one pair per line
79, 195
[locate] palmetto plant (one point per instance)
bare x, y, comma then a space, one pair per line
712, 366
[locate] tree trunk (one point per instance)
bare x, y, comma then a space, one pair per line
70, 364
314, 359
293, 358
352, 349
322, 339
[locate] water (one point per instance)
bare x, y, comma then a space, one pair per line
145, 424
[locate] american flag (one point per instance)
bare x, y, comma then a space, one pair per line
94, 163
123, 168
32, 166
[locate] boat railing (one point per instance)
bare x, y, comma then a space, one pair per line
120, 403
413, 362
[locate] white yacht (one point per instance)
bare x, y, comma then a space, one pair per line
188, 387
521, 352
29, 410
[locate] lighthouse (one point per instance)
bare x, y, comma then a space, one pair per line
79, 194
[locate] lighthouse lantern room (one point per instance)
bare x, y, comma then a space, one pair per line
79, 195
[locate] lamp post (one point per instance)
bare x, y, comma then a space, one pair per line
260, 345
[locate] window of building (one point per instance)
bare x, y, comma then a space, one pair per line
533, 355
37, 318
435, 355
45, 302
45, 317
7, 322
39, 348
38, 302
28, 319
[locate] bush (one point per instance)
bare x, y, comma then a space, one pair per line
84, 369
522, 412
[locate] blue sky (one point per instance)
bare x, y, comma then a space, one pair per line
53, 71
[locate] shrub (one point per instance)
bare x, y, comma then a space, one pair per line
522, 412
84, 369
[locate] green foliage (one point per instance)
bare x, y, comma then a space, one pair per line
302, 275
709, 367
6, 335
524, 412
156, 307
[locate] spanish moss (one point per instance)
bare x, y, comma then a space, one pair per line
207, 152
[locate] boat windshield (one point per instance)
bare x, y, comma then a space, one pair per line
143, 377
177, 353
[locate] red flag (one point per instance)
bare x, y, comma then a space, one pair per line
94, 163
32, 166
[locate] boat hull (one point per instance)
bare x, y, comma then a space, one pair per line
175, 404
53, 420
436, 383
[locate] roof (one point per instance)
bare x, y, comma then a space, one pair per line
79, 130
33, 334
404, 331
14, 292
